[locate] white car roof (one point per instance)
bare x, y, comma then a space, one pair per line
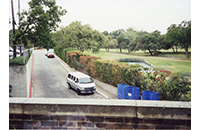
79, 75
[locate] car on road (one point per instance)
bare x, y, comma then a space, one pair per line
82, 83
50, 54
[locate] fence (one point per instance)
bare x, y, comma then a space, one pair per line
25, 54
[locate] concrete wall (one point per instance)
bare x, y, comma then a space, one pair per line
98, 114
28, 72
19, 78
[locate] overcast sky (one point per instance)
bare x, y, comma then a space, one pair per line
110, 15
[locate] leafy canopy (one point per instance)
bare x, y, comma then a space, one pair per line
79, 36
39, 21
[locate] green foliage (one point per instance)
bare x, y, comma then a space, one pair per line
180, 35
59, 51
167, 84
123, 42
17, 61
38, 22
79, 36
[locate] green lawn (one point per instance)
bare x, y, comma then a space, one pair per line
181, 53
172, 64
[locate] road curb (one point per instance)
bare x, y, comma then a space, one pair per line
102, 94
30, 89
61, 62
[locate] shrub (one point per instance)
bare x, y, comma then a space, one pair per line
17, 61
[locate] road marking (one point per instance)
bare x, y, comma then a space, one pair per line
30, 89
102, 94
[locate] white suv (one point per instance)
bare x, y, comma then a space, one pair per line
82, 83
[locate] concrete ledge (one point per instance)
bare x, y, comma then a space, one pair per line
101, 107
111, 89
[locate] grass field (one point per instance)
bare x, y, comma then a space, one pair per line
172, 64
181, 53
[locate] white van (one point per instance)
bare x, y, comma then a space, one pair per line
82, 83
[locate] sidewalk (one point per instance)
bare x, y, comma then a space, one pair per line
108, 91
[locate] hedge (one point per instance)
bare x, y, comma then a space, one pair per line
19, 60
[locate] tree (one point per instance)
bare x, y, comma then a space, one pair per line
123, 42
171, 36
163, 43
184, 35
82, 37
116, 33
180, 34
38, 22
131, 34
149, 42
107, 43
105, 33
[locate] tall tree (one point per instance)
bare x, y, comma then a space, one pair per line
131, 34
123, 42
171, 36
149, 42
83, 37
180, 34
184, 35
38, 22
116, 33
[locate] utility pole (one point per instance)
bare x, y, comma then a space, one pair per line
13, 23
19, 25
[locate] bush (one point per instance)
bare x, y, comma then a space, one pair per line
17, 61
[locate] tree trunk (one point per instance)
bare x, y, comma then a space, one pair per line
176, 49
173, 49
128, 50
108, 49
150, 52
186, 50
120, 50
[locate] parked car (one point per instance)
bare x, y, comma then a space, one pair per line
50, 54
17, 51
38, 48
10, 53
82, 83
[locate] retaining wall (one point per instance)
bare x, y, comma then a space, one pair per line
19, 78
39, 113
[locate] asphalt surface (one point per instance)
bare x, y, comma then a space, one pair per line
49, 79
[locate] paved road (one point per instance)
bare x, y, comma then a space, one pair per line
49, 79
